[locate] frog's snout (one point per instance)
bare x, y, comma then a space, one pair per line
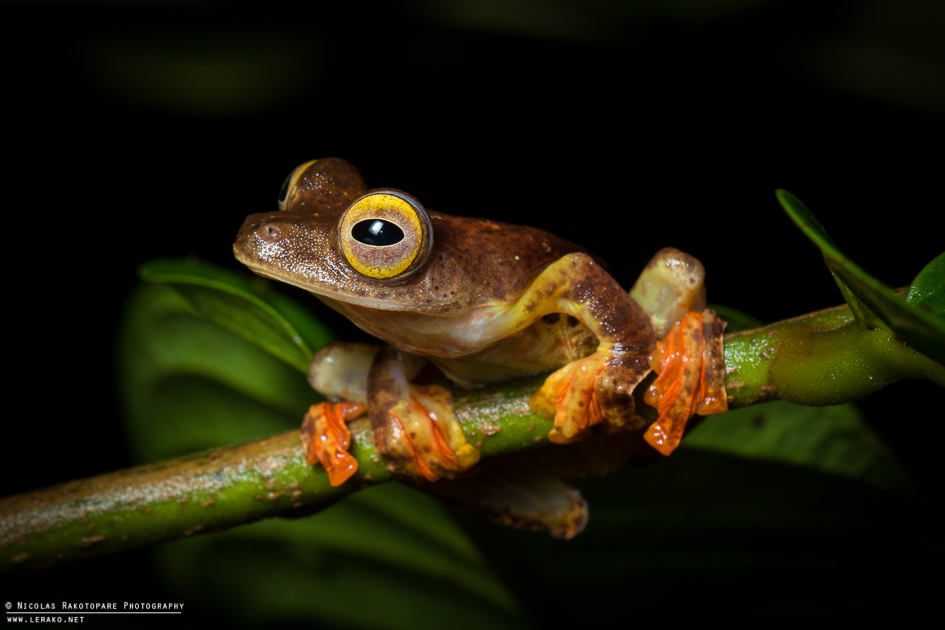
258, 231
263, 226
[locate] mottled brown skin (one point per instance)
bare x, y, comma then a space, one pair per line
330, 187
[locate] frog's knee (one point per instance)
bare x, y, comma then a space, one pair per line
671, 285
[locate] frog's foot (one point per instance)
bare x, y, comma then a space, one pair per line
595, 390
518, 498
691, 379
325, 438
414, 427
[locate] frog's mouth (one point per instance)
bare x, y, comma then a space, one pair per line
326, 293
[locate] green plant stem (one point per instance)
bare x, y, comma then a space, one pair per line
818, 359
824, 358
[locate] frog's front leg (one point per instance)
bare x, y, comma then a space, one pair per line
598, 388
414, 427
338, 370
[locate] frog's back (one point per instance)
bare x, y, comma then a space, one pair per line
499, 259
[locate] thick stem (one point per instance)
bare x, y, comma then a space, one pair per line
825, 358
224, 487
819, 359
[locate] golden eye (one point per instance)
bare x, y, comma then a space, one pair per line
288, 186
385, 234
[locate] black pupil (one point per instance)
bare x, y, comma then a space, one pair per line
377, 232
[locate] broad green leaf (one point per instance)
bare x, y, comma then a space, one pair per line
250, 309
832, 440
868, 297
766, 497
209, 358
189, 383
387, 557
726, 518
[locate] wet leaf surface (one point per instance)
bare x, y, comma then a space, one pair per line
248, 307
927, 291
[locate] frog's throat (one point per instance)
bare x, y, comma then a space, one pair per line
381, 305
339, 296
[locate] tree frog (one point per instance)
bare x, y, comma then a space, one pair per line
483, 301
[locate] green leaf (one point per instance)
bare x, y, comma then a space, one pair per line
207, 358
189, 383
387, 557
832, 440
771, 505
927, 291
869, 298
250, 309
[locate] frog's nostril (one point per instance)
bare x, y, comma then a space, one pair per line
270, 232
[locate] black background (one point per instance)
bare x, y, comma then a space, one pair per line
622, 129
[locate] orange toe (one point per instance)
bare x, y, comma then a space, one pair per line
325, 438
691, 378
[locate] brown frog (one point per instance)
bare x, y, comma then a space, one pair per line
484, 301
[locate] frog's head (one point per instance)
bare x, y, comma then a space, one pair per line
334, 238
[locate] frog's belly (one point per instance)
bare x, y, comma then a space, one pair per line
546, 345
479, 346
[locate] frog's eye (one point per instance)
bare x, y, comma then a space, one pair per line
289, 185
386, 235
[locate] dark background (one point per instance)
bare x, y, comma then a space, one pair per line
133, 132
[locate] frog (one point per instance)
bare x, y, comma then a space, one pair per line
482, 301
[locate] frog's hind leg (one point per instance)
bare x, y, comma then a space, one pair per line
689, 354
340, 370
414, 427
596, 389
527, 500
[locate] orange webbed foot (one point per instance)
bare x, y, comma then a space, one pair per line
325, 438
568, 396
691, 378
594, 390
